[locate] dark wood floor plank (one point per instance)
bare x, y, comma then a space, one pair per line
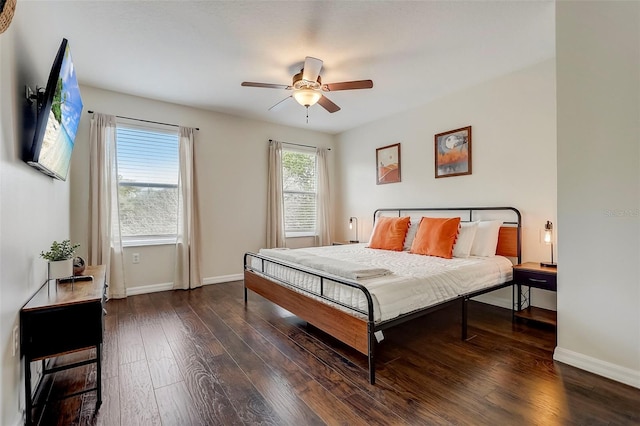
391, 402
283, 398
258, 364
191, 354
137, 399
109, 413
177, 407
248, 403
327, 406
110, 352
162, 365
130, 346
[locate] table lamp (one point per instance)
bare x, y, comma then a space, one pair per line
351, 220
548, 239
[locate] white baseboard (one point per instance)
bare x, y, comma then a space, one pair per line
494, 300
223, 279
152, 288
596, 366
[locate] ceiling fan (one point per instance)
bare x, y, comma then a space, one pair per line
307, 86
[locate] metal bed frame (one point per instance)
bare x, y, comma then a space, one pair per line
348, 324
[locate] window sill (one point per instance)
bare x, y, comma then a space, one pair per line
141, 242
300, 235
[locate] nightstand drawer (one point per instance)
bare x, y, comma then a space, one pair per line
535, 279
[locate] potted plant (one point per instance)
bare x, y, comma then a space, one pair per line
60, 258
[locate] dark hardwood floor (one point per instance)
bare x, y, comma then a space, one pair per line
200, 358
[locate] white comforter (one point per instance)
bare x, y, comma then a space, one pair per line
415, 281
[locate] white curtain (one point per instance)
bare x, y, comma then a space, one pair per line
105, 242
275, 199
188, 249
323, 203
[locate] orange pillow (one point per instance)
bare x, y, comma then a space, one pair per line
436, 237
389, 233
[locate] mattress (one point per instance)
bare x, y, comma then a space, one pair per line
414, 281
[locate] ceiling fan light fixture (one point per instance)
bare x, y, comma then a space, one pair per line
307, 97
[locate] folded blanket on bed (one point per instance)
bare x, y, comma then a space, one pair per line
341, 268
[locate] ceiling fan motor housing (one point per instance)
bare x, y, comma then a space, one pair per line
300, 83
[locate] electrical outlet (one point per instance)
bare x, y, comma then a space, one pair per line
16, 340
135, 257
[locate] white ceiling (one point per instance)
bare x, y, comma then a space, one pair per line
197, 53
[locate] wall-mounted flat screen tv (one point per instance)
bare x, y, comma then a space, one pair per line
59, 112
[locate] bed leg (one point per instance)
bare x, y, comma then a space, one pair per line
245, 293
464, 318
371, 350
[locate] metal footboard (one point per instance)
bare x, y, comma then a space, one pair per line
366, 315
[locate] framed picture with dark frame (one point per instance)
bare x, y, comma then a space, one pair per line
453, 152
388, 164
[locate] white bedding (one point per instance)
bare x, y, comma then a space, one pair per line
415, 282
339, 267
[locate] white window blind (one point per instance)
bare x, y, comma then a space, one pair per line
148, 167
299, 191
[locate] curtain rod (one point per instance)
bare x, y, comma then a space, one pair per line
298, 144
146, 121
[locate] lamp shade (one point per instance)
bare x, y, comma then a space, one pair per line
307, 97
548, 239
353, 219
548, 233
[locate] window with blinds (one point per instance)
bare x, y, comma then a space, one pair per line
148, 171
299, 192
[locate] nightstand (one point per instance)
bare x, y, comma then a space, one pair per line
533, 275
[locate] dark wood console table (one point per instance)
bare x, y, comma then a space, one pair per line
62, 318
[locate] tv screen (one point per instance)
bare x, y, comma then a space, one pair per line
59, 114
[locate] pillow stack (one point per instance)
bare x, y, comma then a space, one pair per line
441, 237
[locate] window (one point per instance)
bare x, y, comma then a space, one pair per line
148, 174
299, 192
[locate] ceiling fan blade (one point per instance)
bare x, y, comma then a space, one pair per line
311, 70
279, 103
265, 85
328, 105
348, 85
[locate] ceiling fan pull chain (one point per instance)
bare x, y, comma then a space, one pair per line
307, 114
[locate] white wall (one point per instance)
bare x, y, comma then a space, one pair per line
34, 211
598, 74
231, 166
513, 154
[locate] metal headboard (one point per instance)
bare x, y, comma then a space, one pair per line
466, 214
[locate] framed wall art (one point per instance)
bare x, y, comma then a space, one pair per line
388, 164
453, 152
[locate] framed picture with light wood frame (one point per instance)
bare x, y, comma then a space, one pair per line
388, 164
453, 152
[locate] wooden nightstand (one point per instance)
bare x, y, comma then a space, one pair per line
532, 275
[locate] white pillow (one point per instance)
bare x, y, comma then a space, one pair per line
466, 236
486, 238
411, 233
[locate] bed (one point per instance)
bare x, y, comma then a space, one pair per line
353, 292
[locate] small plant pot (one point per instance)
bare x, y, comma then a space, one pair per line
60, 269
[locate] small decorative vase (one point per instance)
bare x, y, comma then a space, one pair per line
60, 269
78, 265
